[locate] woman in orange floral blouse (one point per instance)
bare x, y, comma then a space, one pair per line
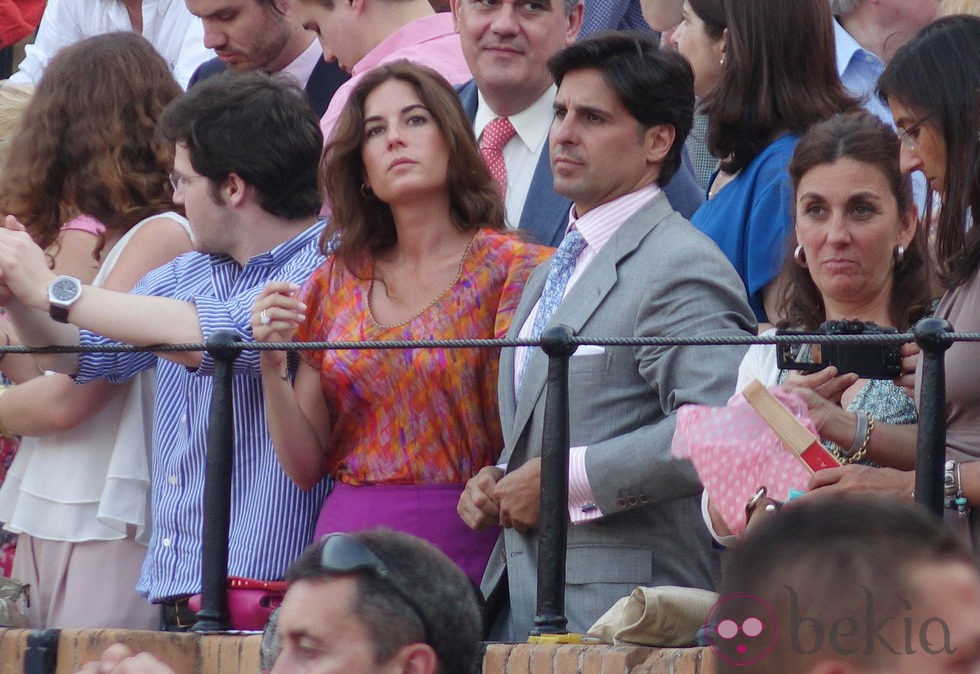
422, 253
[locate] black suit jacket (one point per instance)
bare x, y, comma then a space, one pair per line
325, 79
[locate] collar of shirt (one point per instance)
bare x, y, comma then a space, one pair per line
411, 34
598, 225
532, 123
850, 51
281, 253
302, 66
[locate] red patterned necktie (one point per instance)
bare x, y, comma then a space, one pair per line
496, 134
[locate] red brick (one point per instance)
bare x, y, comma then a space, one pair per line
495, 658
519, 661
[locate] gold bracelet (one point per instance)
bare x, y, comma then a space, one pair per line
4, 433
863, 449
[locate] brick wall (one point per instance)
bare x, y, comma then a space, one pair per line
53, 652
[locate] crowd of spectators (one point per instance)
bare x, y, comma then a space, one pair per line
320, 170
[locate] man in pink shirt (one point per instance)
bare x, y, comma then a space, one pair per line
362, 34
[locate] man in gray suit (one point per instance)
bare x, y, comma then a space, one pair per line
640, 270
507, 46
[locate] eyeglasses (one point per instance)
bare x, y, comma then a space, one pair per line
343, 553
910, 136
178, 181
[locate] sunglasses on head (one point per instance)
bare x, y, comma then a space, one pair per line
343, 553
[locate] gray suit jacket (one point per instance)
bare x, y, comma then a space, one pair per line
657, 276
545, 214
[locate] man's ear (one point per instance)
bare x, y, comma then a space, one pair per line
235, 190
658, 139
415, 658
574, 24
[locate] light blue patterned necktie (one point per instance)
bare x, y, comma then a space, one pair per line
559, 271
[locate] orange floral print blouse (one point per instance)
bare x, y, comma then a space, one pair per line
420, 416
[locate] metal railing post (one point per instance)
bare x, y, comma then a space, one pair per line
553, 526
931, 336
213, 616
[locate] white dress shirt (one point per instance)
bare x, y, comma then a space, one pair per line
176, 34
521, 153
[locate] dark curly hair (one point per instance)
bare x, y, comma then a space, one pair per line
86, 144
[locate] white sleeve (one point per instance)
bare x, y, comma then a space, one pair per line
60, 26
759, 363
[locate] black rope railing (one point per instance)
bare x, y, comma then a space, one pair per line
934, 337
731, 340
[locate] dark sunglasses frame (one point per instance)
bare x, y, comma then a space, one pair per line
343, 553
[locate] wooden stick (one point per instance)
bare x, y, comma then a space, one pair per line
793, 434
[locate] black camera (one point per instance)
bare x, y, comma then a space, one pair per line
868, 361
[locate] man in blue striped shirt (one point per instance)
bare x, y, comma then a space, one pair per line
245, 170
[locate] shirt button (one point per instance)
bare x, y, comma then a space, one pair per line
173, 480
165, 542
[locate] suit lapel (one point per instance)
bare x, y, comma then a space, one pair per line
589, 291
468, 97
508, 403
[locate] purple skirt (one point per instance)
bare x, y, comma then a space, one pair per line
424, 510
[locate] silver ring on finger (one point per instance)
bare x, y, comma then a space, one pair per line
264, 318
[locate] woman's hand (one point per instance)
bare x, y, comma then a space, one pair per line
855, 478
826, 382
910, 362
821, 391
276, 314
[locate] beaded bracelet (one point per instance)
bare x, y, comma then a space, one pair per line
954, 498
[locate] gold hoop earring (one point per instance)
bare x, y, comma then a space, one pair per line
799, 255
899, 254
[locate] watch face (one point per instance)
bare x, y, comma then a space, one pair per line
63, 289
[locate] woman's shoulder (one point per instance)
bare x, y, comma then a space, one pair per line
775, 157
506, 247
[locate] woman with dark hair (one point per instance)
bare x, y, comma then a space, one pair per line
700, 38
938, 118
87, 177
858, 256
766, 96
420, 253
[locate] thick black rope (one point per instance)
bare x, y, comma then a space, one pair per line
733, 340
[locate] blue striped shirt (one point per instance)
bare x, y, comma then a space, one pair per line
271, 518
